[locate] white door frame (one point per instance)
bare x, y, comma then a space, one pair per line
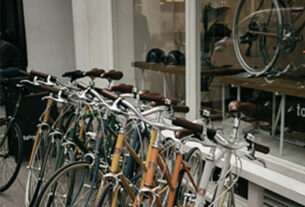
192, 63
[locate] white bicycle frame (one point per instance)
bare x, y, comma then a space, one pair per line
212, 160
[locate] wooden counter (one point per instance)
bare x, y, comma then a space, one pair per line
287, 86
180, 70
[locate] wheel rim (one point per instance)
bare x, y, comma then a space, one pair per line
71, 186
265, 49
10, 157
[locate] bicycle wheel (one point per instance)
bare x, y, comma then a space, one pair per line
185, 190
257, 31
11, 150
43, 164
107, 194
70, 186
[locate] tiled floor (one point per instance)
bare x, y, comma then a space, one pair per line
14, 196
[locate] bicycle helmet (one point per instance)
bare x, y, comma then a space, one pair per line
174, 57
155, 55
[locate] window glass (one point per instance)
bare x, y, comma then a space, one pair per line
142, 25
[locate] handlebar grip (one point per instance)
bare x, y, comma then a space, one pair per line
143, 91
50, 89
81, 85
181, 109
107, 94
187, 125
42, 75
261, 148
23, 72
150, 97
182, 133
122, 88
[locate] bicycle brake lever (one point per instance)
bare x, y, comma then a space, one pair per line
253, 158
34, 82
45, 83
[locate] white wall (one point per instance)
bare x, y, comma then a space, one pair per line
49, 35
93, 34
123, 33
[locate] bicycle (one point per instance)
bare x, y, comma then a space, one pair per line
260, 33
11, 144
11, 139
112, 75
116, 175
221, 150
49, 150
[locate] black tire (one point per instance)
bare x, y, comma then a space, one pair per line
257, 61
192, 159
106, 197
68, 186
11, 151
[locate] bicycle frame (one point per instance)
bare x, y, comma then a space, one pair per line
100, 136
72, 135
212, 160
10, 121
298, 28
136, 138
16, 113
150, 186
46, 119
115, 170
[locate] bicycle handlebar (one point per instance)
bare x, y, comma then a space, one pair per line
187, 124
43, 75
155, 124
50, 89
122, 88
181, 109
150, 97
261, 148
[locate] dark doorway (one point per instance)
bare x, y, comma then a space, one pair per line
12, 25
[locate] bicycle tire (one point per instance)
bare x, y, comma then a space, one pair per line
45, 154
193, 159
10, 157
66, 185
258, 65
